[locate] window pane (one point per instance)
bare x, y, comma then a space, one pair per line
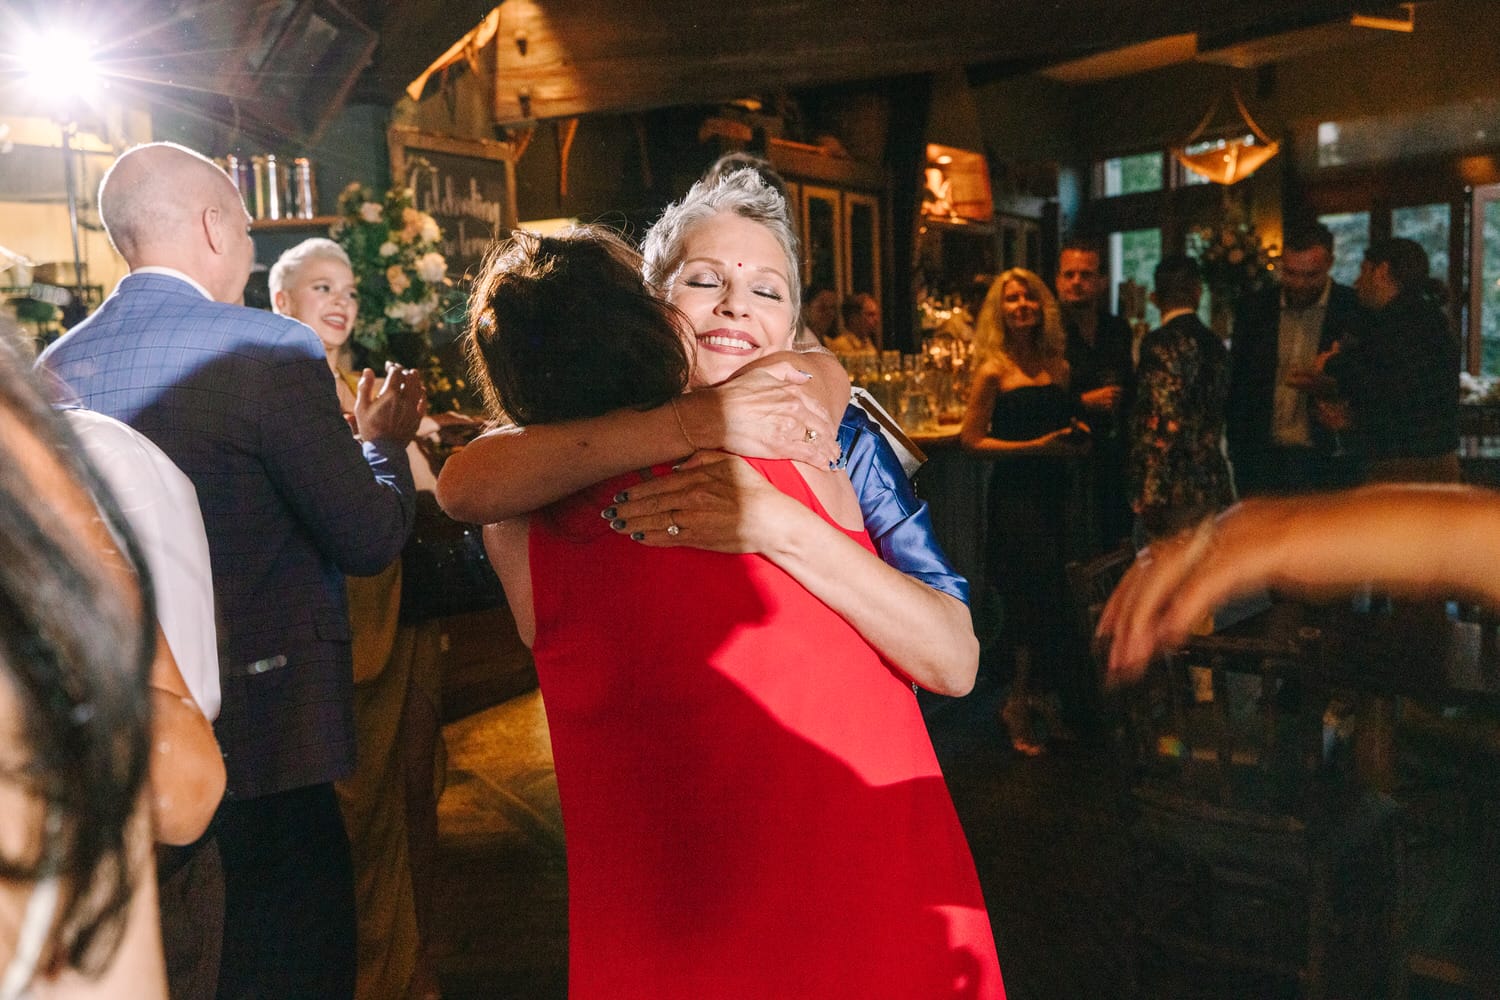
1351, 238
1489, 275
1132, 257
1133, 174
1427, 225
1433, 130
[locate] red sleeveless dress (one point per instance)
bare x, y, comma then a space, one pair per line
752, 806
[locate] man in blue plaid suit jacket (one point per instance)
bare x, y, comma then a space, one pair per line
243, 402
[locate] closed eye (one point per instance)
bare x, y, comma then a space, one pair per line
703, 279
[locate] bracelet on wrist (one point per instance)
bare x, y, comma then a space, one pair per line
682, 427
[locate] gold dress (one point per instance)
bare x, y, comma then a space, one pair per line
397, 685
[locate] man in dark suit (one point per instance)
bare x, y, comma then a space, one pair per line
1103, 376
243, 402
1276, 443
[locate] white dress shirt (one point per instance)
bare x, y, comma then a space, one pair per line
161, 506
1297, 339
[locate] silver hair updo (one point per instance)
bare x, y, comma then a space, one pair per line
743, 192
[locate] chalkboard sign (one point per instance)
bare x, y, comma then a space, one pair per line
466, 185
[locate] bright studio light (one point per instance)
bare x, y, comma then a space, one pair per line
58, 65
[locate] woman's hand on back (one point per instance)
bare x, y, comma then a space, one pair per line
716, 501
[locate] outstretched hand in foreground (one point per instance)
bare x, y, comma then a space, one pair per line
1408, 540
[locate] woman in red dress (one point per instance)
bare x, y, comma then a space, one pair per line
752, 804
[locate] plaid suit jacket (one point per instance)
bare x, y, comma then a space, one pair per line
242, 401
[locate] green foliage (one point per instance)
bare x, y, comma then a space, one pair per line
404, 291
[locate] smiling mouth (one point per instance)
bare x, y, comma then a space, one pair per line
337, 322
723, 340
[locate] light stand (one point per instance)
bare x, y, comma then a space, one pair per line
70, 183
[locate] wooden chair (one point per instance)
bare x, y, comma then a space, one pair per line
1453, 942
1090, 583
1258, 857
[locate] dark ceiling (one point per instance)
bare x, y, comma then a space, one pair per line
811, 42
291, 63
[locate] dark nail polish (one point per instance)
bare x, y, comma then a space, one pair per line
608, 513
618, 524
637, 535
622, 496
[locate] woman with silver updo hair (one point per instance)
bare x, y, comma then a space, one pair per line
726, 256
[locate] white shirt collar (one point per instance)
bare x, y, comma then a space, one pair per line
172, 272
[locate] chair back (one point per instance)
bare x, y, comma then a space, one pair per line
1090, 582
1242, 732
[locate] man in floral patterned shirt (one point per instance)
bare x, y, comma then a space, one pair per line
1177, 466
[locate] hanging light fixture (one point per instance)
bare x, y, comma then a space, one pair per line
1232, 158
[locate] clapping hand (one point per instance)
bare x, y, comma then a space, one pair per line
391, 413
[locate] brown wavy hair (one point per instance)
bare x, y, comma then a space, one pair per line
563, 327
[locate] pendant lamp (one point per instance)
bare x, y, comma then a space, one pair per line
1229, 160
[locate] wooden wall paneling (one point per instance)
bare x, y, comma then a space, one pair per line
592, 56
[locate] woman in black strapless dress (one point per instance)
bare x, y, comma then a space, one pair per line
1021, 413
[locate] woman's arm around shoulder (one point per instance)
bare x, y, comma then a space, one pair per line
765, 413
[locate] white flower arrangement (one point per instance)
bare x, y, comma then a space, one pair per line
404, 291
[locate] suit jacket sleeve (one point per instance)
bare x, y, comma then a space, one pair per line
357, 501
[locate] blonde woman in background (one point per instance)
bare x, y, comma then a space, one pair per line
1021, 412
390, 802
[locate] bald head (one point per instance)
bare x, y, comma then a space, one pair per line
164, 205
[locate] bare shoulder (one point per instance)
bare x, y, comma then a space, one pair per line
994, 369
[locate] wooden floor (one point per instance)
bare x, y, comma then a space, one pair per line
1047, 835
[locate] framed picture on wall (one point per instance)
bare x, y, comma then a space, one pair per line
823, 245
862, 237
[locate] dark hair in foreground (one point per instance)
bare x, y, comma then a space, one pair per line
563, 327
76, 652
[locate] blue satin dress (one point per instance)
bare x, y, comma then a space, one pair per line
897, 521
